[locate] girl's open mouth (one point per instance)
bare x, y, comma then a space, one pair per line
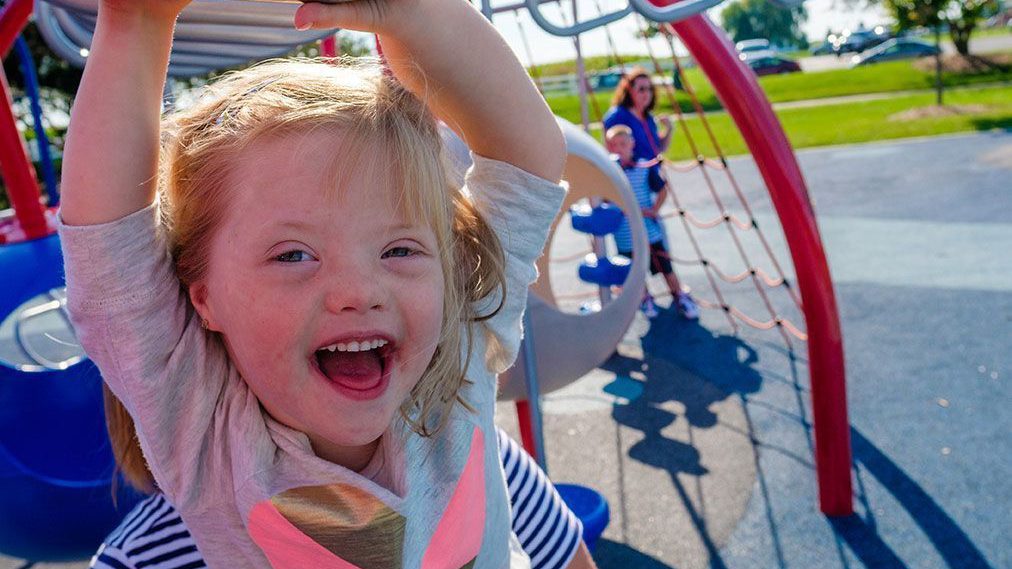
357, 369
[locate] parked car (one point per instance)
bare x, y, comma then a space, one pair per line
826, 48
772, 65
894, 49
605, 81
859, 41
748, 48
756, 54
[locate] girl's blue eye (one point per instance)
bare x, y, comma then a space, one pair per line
399, 252
294, 256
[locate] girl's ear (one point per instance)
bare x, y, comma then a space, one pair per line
198, 297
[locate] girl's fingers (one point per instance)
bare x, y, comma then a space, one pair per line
353, 14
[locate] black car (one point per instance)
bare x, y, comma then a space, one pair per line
772, 65
895, 49
859, 41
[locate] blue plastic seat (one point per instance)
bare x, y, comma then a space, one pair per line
601, 220
590, 507
606, 271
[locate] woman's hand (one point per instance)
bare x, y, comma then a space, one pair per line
665, 122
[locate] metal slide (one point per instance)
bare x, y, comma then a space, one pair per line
210, 34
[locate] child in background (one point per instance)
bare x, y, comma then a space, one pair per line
302, 317
646, 182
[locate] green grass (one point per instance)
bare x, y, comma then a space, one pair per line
592, 63
879, 78
856, 122
977, 33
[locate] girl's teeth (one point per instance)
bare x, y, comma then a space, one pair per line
356, 346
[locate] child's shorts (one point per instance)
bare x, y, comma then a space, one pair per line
660, 262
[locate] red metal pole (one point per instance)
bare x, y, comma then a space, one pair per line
741, 95
328, 46
13, 17
526, 429
16, 167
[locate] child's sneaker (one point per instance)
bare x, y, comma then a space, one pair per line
686, 306
649, 308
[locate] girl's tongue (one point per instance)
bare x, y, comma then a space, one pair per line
358, 370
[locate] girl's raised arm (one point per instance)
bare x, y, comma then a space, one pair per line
451, 56
111, 155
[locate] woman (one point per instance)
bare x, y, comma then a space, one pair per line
632, 105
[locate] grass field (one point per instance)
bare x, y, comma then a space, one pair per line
880, 78
858, 122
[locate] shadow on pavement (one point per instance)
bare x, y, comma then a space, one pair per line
730, 364
614, 555
861, 535
711, 356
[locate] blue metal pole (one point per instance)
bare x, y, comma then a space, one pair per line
32, 88
533, 392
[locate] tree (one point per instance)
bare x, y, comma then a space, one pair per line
753, 19
963, 19
960, 16
923, 13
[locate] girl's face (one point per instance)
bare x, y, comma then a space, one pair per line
641, 92
330, 304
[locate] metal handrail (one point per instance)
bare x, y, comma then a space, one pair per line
534, 7
673, 12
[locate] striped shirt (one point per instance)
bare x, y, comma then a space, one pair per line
152, 535
645, 180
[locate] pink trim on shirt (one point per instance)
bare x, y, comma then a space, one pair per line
458, 536
285, 546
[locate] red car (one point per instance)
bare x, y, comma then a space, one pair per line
771, 65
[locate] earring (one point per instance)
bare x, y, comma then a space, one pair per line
204, 324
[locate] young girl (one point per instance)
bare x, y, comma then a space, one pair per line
308, 292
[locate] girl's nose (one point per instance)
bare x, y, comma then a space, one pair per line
355, 291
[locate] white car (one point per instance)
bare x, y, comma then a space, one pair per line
748, 49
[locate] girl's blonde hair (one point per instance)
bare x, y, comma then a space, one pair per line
370, 110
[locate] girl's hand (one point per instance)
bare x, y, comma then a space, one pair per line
376, 16
449, 43
161, 9
665, 122
649, 213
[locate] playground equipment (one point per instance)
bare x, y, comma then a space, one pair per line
56, 465
737, 88
216, 33
210, 34
600, 220
590, 507
573, 344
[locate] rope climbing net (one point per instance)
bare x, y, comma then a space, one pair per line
687, 225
